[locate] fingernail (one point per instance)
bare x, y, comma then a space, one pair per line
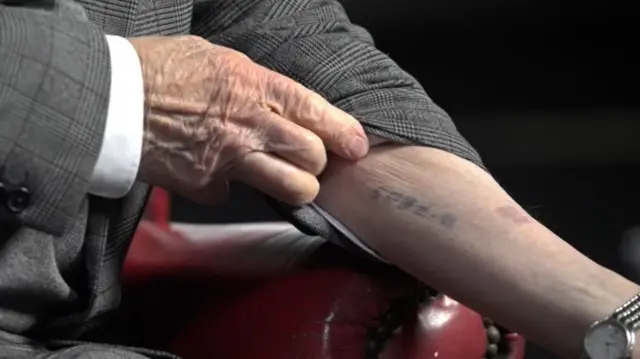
358, 147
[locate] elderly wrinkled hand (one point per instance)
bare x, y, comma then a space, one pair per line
213, 115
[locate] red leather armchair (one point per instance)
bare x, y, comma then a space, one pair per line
225, 292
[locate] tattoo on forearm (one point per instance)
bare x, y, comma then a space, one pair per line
513, 214
410, 204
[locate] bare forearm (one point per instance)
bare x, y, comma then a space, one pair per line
450, 224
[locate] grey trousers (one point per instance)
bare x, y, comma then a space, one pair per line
17, 347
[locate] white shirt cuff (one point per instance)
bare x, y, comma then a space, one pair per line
347, 233
119, 158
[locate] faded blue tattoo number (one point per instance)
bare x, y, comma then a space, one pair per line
411, 204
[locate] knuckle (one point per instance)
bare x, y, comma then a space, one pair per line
318, 156
281, 84
288, 86
315, 100
316, 106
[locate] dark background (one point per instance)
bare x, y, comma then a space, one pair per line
547, 91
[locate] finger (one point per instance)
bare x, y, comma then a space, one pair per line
294, 143
340, 132
277, 178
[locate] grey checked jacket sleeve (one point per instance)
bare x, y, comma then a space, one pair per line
54, 88
313, 42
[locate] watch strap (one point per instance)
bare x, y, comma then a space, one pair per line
629, 313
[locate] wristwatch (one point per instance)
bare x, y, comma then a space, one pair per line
614, 337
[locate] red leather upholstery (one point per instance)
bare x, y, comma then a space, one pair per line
335, 307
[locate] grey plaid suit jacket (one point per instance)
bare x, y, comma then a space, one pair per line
61, 253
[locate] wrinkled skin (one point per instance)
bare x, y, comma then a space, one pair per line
213, 115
